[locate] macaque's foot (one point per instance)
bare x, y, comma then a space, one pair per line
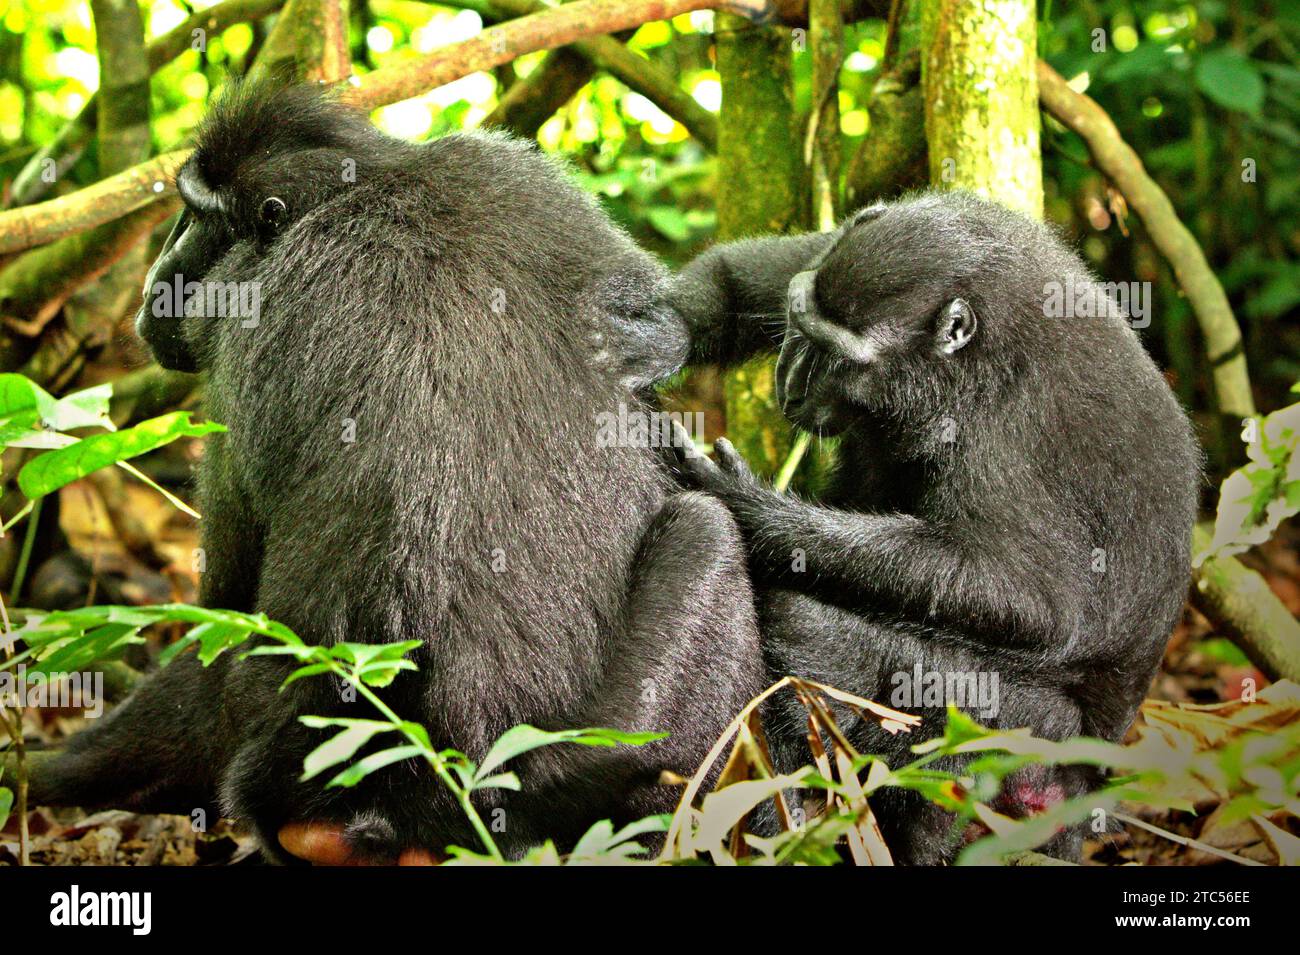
331, 843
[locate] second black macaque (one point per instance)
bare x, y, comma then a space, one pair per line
412, 372
1014, 494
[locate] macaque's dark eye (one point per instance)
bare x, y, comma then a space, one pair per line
272, 216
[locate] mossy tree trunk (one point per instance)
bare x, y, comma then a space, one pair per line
979, 70
761, 190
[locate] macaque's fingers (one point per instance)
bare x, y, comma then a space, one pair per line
692, 468
730, 460
683, 444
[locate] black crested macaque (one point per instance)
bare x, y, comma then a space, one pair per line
1015, 486
412, 411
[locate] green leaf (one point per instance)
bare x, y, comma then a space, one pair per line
362, 654
19, 428
380, 675
1033, 831
499, 781
959, 729
670, 222
51, 471
524, 738
421, 736
82, 651
6, 804
25, 408
1279, 296
214, 638
1145, 60
376, 664
299, 651
1223, 651
311, 669
595, 840
364, 767
342, 746
1230, 79
602, 842
1257, 497
18, 394
82, 409
46, 630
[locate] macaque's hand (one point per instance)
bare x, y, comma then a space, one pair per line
732, 464
726, 477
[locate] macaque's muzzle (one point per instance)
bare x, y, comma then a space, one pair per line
795, 363
793, 368
162, 333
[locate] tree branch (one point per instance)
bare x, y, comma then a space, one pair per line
1121, 164
791, 13
94, 205
540, 95
794, 13
123, 116
892, 156
104, 201
1244, 608
176, 41
34, 286
555, 27
822, 152
336, 59
637, 73
655, 84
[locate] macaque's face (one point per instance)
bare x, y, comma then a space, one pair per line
246, 204
866, 311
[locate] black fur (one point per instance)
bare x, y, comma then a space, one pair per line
987, 449
451, 303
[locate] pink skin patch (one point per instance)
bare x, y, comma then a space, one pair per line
1019, 800
1026, 799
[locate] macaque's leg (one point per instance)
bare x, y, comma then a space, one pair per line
158, 751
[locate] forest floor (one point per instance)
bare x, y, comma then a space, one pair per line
1198, 668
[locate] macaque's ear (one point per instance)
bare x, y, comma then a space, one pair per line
956, 326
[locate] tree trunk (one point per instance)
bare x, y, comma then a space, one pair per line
981, 99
